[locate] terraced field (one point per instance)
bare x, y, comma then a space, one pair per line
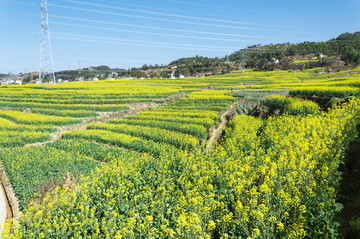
145, 172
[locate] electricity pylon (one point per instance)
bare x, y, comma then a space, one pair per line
243, 57
46, 61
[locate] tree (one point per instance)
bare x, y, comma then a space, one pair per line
145, 67
102, 68
27, 79
352, 57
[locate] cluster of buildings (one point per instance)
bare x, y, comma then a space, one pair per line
112, 76
10, 82
107, 78
172, 76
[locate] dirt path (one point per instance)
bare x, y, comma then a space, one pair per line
106, 116
5, 211
217, 132
11, 209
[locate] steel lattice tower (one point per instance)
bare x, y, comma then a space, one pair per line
46, 61
243, 57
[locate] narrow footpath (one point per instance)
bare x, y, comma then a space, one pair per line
215, 135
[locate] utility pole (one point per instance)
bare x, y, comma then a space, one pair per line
46, 60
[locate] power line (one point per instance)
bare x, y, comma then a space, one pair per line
162, 13
95, 40
223, 26
154, 28
146, 42
212, 16
153, 18
148, 33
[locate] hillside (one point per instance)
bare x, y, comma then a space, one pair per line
338, 53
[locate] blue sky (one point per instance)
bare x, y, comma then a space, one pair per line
132, 33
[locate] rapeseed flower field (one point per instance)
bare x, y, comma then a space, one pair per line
148, 175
